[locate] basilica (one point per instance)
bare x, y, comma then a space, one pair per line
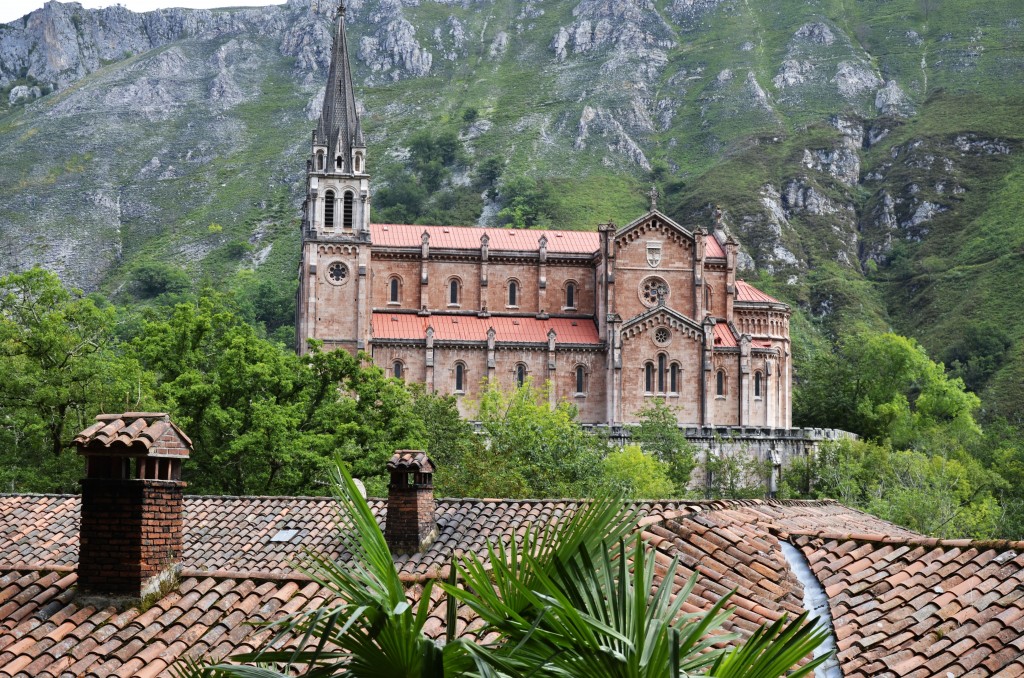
611, 319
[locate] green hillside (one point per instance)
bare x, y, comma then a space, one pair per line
866, 153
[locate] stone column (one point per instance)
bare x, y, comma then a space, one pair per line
429, 360
424, 276
552, 396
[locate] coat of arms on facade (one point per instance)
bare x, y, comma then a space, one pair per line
653, 254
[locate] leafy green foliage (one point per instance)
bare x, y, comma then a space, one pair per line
947, 496
546, 446
423, 191
263, 420
153, 278
529, 203
734, 473
59, 364
659, 434
884, 386
637, 475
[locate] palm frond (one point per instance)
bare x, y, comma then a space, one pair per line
773, 650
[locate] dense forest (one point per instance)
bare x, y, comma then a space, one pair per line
266, 421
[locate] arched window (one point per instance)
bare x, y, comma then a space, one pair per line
454, 292
329, 209
460, 378
649, 378
513, 293
661, 372
346, 210
393, 291
673, 378
398, 370
757, 384
709, 298
720, 383
320, 161
581, 376
520, 375
570, 295
339, 164
359, 162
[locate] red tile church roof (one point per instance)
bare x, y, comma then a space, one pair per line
472, 328
747, 292
501, 239
723, 335
712, 248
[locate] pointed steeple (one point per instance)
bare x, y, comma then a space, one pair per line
339, 127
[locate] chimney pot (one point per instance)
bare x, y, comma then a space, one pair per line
132, 500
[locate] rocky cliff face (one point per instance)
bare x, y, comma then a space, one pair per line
835, 136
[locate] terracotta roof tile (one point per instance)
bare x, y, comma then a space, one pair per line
500, 239
472, 328
713, 249
747, 292
723, 335
890, 616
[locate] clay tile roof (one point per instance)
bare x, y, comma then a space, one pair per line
499, 239
922, 606
747, 292
723, 335
902, 603
130, 431
410, 460
409, 327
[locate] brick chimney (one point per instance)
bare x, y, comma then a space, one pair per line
410, 526
131, 528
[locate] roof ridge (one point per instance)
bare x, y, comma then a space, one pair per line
56, 495
995, 544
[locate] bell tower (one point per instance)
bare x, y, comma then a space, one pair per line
332, 298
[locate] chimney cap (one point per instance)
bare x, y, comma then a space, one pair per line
410, 460
133, 433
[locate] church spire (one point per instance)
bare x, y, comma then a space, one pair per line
339, 128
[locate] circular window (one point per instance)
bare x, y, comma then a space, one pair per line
662, 336
650, 290
337, 273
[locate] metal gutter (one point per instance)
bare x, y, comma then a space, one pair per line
815, 602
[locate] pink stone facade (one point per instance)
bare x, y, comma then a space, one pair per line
588, 320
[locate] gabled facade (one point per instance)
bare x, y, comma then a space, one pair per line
612, 319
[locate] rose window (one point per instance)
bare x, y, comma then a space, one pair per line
661, 335
337, 272
651, 288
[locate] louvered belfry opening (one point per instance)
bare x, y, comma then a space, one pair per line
410, 525
130, 541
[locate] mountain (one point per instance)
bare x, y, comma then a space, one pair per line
867, 153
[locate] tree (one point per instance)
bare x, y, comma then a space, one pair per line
949, 496
884, 386
545, 445
659, 433
263, 420
734, 473
560, 603
528, 203
465, 467
634, 474
59, 365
